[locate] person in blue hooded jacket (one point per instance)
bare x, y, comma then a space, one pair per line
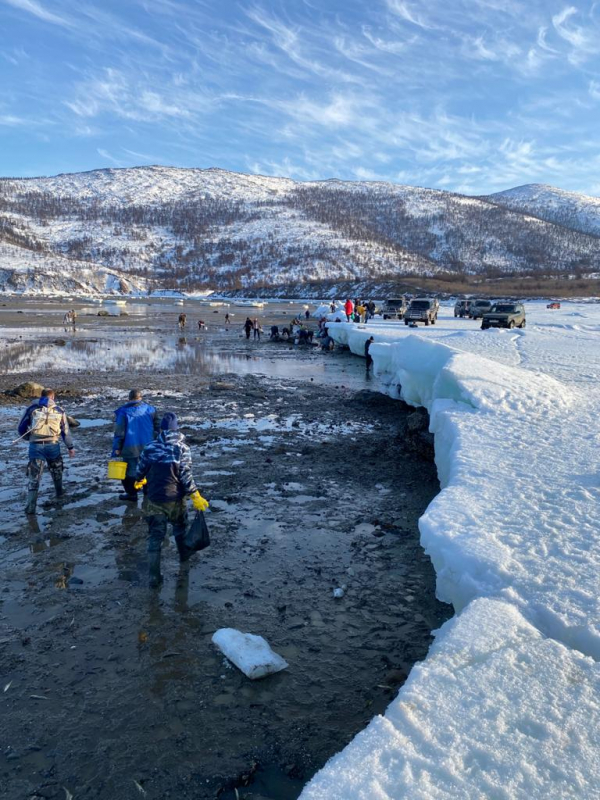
43, 425
136, 425
166, 465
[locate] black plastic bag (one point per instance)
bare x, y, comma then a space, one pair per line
197, 537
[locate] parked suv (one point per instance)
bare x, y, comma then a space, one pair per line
479, 308
394, 308
504, 315
462, 308
422, 309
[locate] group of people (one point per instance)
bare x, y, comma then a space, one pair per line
251, 326
358, 310
158, 463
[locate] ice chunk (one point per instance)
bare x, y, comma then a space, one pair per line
250, 653
496, 711
339, 592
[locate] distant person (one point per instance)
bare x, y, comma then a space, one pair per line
248, 327
327, 342
67, 319
227, 320
136, 425
257, 329
371, 307
44, 424
182, 321
368, 356
201, 325
274, 333
166, 464
332, 306
307, 314
349, 309
73, 317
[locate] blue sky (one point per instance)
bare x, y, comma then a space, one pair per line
467, 95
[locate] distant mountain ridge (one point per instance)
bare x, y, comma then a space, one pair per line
576, 211
143, 228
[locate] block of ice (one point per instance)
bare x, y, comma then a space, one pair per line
506, 703
250, 653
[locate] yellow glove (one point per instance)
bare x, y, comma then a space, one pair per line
199, 503
138, 484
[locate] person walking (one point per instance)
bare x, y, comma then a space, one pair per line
349, 309
257, 329
44, 424
226, 320
368, 356
166, 464
248, 327
182, 321
136, 425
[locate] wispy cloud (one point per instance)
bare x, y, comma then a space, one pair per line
406, 12
110, 158
39, 11
454, 94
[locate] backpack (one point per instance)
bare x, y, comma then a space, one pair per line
46, 422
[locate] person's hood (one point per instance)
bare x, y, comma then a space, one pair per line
171, 437
46, 402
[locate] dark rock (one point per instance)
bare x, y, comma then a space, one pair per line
27, 390
222, 386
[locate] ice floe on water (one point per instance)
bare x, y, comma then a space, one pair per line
506, 704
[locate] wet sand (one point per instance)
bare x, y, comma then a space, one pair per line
115, 690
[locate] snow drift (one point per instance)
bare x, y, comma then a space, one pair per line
506, 703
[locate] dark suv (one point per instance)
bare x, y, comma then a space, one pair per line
462, 308
394, 308
422, 309
504, 315
479, 308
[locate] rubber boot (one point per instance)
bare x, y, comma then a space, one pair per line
184, 552
154, 569
31, 502
58, 485
130, 490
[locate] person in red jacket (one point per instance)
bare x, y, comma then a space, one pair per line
349, 309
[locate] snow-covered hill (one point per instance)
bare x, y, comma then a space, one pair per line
576, 211
167, 228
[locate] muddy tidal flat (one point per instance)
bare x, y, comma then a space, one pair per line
112, 690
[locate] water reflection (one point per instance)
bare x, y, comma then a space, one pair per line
180, 355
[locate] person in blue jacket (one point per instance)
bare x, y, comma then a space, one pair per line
43, 425
136, 425
166, 465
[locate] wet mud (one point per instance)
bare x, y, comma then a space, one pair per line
112, 690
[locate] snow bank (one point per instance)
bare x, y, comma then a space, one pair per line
496, 711
493, 711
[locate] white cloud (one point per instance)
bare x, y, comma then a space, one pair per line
594, 89
38, 10
108, 157
404, 11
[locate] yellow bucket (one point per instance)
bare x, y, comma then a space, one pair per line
117, 470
